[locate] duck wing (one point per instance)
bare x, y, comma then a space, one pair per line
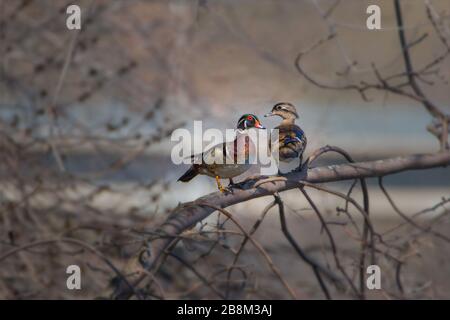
227, 152
215, 154
292, 141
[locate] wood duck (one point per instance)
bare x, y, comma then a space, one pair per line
231, 154
292, 140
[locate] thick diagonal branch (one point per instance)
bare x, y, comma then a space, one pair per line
187, 215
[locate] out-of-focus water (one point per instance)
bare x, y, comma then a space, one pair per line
366, 131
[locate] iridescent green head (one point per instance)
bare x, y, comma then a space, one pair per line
249, 121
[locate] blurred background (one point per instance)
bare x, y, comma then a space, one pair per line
86, 118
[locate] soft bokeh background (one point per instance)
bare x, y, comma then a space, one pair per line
94, 109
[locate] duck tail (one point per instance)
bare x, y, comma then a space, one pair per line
189, 175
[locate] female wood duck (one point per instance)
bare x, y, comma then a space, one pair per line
292, 140
234, 155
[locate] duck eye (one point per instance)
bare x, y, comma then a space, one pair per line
250, 118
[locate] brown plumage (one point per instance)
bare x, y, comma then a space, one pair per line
292, 142
292, 139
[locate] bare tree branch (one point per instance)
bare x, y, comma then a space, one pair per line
187, 215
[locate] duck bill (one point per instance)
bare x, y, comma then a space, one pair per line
270, 114
259, 125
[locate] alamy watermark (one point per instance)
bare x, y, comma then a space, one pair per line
373, 281
373, 21
73, 21
73, 281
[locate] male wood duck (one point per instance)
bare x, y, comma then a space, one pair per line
292, 140
235, 155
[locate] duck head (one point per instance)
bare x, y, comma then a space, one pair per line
285, 110
248, 121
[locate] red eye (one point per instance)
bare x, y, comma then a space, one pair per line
250, 118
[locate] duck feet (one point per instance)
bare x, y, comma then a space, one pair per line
219, 185
244, 184
221, 188
237, 185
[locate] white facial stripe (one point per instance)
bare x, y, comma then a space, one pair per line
245, 124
